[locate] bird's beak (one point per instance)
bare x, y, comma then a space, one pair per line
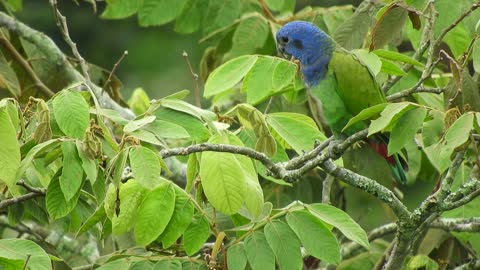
281, 51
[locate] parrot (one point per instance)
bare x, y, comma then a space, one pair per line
342, 84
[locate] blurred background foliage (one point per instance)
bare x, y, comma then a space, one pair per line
154, 60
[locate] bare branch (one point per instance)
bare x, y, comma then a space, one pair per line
409, 91
110, 75
195, 80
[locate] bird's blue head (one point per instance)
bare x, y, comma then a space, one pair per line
310, 45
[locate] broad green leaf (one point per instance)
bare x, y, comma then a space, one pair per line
167, 129
11, 264
388, 26
317, 239
285, 245
405, 129
120, 9
243, 42
236, 257
257, 82
110, 200
398, 57
158, 12
220, 13
181, 218
456, 135
117, 165
389, 116
71, 113
192, 125
476, 56
193, 265
148, 137
281, 5
223, 179
89, 165
260, 255
12, 108
388, 67
71, 178
139, 101
18, 249
57, 206
340, 220
145, 166
170, 264
141, 265
183, 106
37, 149
150, 221
370, 59
351, 33
131, 196
196, 234
190, 18
366, 114
297, 130
139, 123
422, 262
96, 217
9, 152
192, 171
228, 75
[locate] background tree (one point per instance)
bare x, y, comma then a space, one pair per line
92, 181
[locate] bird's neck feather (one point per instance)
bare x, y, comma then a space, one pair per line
314, 72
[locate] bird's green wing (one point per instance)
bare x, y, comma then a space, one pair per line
356, 84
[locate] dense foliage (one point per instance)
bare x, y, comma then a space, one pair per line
254, 181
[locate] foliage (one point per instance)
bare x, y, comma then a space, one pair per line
171, 185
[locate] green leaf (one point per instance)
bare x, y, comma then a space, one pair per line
181, 218
236, 257
158, 12
398, 57
405, 129
388, 67
285, 245
422, 262
389, 25
260, 255
89, 165
228, 75
71, 178
139, 101
8, 78
170, 264
341, 221
71, 113
257, 82
192, 171
150, 221
351, 33
183, 106
364, 261
57, 206
456, 135
96, 217
298, 130
139, 123
145, 166
192, 125
223, 179
243, 42
39, 148
317, 239
190, 19
371, 60
220, 13
131, 196
196, 234
366, 114
9, 152
9, 264
18, 249
121, 264
167, 129
389, 116
120, 9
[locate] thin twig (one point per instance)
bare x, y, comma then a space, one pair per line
110, 75
413, 90
198, 101
26, 261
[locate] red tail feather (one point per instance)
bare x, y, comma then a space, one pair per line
381, 149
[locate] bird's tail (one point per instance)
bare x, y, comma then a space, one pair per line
397, 163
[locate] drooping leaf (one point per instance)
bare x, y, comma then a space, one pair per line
139, 101
96, 217
243, 42
196, 234
351, 33
190, 18
71, 113
57, 206
71, 178
145, 166
120, 9
90, 166
317, 239
158, 12
366, 114
340, 220
236, 257
389, 116
171, 264
285, 245
388, 25
405, 129
259, 254
9, 152
131, 196
151, 222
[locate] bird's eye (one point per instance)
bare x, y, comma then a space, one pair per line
298, 44
284, 39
